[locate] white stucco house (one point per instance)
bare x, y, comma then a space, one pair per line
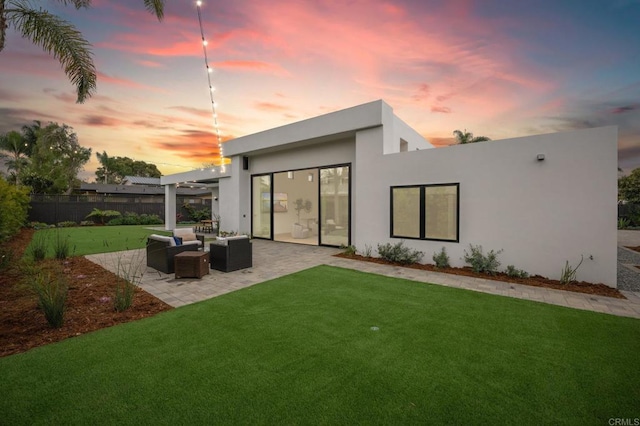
362, 177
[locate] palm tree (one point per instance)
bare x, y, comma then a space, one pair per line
467, 137
59, 37
12, 146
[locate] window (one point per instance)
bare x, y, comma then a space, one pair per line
426, 212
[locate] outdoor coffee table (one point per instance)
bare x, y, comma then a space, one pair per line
191, 264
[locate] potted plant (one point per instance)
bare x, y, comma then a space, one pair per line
300, 205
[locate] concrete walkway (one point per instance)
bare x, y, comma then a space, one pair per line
273, 259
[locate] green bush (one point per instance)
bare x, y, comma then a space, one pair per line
123, 295
86, 223
441, 258
514, 272
101, 215
66, 224
130, 218
6, 257
480, 263
14, 204
38, 225
38, 247
197, 214
61, 247
348, 250
399, 253
623, 223
51, 290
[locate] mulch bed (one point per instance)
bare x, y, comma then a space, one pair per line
89, 302
536, 280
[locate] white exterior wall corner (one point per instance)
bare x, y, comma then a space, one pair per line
234, 199
402, 130
541, 213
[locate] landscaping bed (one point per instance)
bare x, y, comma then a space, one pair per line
535, 280
89, 302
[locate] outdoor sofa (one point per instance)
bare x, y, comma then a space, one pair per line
162, 249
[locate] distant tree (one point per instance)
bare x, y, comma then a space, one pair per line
113, 170
57, 36
30, 135
56, 160
13, 147
629, 187
467, 137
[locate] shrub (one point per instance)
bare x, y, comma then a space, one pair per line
150, 219
441, 259
480, 263
38, 225
124, 292
6, 257
348, 250
86, 223
101, 215
51, 290
399, 253
623, 223
197, 214
13, 213
39, 245
514, 272
131, 218
130, 274
66, 224
367, 250
61, 247
568, 274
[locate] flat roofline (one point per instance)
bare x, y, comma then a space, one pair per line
313, 130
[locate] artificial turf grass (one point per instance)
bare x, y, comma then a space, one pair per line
300, 349
85, 240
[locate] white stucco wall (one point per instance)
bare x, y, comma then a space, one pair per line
541, 213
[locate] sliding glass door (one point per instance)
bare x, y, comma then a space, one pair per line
295, 206
261, 206
307, 206
334, 206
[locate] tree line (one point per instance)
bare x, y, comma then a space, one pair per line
47, 159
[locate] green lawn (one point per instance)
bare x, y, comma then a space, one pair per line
98, 239
301, 350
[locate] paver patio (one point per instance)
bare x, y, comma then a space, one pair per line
274, 259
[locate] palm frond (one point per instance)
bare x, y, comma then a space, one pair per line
156, 7
62, 39
78, 4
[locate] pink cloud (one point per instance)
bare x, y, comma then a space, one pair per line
442, 109
252, 66
127, 83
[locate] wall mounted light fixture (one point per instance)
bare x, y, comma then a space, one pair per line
290, 175
310, 177
540, 157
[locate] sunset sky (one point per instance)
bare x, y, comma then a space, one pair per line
498, 68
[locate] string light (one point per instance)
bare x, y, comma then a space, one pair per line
211, 88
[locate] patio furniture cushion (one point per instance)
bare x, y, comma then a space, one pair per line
224, 240
163, 238
187, 236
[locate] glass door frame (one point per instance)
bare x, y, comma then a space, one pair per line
318, 200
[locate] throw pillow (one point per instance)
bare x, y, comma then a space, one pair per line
178, 241
189, 237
